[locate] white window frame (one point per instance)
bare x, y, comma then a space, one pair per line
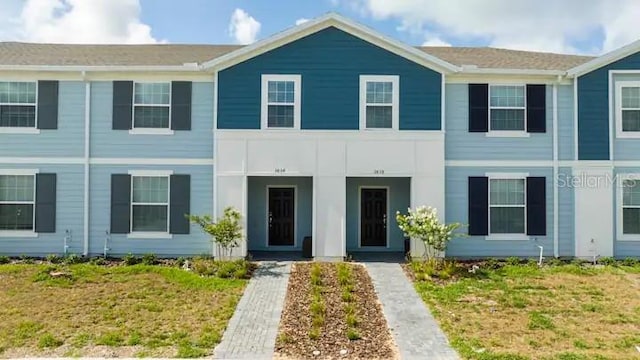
507, 133
618, 109
297, 100
149, 131
507, 176
22, 233
20, 129
395, 100
150, 234
621, 236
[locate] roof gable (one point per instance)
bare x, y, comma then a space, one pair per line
605, 59
324, 22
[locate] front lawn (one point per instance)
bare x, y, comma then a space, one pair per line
114, 310
509, 311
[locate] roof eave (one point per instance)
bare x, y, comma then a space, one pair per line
605, 59
321, 23
101, 68
501, 71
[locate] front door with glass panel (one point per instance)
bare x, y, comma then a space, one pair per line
373, 217
281, 217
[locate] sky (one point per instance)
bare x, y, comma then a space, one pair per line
566, 26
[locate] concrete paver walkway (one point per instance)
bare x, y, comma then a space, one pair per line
412, 326
252, 330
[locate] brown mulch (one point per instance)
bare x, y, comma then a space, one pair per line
293, 340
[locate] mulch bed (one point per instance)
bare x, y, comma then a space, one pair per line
293, 340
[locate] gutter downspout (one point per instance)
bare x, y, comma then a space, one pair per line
556, 242
87, 133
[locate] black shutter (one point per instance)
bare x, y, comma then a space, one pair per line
120, 203
536, 108
478, 107
122, 105
45, 203
478, 205
181, 105
180, 204
536, 206
47, 105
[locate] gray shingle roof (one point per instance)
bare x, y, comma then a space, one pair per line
15, 53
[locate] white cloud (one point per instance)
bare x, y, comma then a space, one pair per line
543, 25
435, 41
301, 21
75, 21
243, 27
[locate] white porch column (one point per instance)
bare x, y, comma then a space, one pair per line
232, 191
426, 191
329, 240
594, 194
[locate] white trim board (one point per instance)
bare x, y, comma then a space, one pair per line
605, 59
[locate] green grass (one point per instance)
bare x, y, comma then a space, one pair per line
164, 310
516, 310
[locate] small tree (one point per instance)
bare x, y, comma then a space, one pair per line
226, 232
423, 224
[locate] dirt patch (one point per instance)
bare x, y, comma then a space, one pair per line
293, 338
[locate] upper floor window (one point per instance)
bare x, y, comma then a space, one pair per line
17, 202
507, 204
379, 102
628, 108
507, 108
150, 204
18, 104
281, 101
152, 105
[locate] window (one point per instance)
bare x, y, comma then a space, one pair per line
379, 97
18, 104
507, 108
281, 101
631, 207
507, 206
152, 106
150, 204
628, 108
17, 202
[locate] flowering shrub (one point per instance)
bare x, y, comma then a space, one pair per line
423, 224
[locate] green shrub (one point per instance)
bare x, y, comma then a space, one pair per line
4, 260
631, 262
492, 263
130, 259
238, 269
554, 262
48, 341
73, 259
608, 261
352, 334
53, 258
513, 260
100, 261
149, 259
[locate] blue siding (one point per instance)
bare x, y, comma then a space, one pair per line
566, 214
476, 246
66, 140
257, 211
69, 215
566, 123
196, 143
330, 62
460, 144
593, 109
399, 200
624, 149
194, 243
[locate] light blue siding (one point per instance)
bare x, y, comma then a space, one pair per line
330, 63
593, 108
195, 143
399, 199
66, 140
457, 196
194, 243
460, 144
624, 149
623, 249
257, 212
69, 215
566, 214
566, 123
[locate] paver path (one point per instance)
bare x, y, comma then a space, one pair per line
253, 328
412, 326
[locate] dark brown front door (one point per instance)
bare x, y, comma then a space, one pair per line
373, 217
281, 216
